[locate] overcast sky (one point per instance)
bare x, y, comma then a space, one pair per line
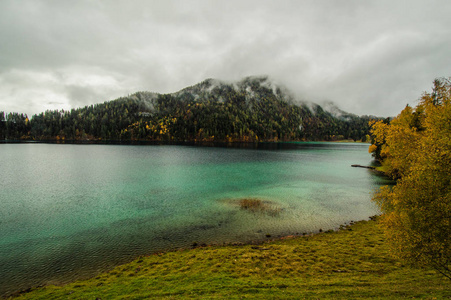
369, 57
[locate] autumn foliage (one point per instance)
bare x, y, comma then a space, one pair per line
415, 149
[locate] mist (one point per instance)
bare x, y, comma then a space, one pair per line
368, 57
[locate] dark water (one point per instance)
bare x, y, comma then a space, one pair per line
70, 211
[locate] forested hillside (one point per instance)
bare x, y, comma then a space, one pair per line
253, 109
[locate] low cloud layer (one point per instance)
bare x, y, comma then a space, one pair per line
369, 57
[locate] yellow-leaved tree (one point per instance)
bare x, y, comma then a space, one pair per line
415, 149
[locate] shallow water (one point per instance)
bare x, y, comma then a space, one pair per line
70, 211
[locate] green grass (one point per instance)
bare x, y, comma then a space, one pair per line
351, 263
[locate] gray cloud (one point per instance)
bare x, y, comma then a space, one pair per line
369, 57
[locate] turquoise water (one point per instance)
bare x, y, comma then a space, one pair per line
70, 211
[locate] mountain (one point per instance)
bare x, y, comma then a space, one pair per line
252, 109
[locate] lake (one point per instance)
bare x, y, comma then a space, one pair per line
70, 211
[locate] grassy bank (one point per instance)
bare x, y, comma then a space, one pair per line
350, 263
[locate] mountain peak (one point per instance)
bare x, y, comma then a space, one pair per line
255, 108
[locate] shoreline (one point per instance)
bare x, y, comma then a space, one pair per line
169, 142
254, 244
344, 264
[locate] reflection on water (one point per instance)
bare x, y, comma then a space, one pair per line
70, 211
